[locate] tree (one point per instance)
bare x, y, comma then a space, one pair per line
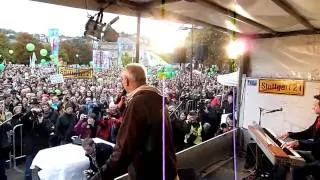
4, 46
69, 50
84, 50
21, 55
126, 59
7, 31
216, 42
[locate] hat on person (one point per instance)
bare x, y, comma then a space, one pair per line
215, 102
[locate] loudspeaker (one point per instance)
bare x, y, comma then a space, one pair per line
201, 52
180, 55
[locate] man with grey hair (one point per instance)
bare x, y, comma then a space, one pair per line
139, 142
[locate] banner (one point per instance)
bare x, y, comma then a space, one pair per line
47, 70
69, 72
54, 42
56, 79
281, 86
101, 59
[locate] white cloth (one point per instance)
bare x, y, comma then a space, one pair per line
65, 162
224, 118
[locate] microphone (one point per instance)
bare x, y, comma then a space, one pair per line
276, 110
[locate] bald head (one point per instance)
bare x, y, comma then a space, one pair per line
136, 72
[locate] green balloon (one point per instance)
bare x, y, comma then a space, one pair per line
51, 57
43, 52
2, 66
91, 63
167, 74
30, 47
43, 61
100, 80
57, 91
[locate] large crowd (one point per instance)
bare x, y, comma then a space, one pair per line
52, 113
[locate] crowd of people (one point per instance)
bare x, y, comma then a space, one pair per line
52, 113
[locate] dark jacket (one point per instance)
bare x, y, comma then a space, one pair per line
35, 134
227, 107
4, 140
52, 116
65, 128
103, 152
178, 132
311, 133
139, 142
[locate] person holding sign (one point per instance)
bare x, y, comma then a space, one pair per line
307, 144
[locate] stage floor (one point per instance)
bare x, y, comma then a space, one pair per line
225, 172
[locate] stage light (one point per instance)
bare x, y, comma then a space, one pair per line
235, 49
93, 29
98, 31
109, 34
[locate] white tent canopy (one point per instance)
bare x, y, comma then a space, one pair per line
229, 79
262, 18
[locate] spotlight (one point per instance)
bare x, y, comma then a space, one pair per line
110, 35
93, 29
99, 31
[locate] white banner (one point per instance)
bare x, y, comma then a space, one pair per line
56, 79
101, 59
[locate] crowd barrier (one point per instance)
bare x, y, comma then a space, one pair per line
176, 111
16, 155
16, 152
186, 106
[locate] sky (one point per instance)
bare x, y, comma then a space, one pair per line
35, 17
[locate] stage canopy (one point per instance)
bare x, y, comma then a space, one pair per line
229, 79
257, 18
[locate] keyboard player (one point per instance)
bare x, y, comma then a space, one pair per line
307, 144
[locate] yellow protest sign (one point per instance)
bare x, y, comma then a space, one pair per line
282, 86
69, 72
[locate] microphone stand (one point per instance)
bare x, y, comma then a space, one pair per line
258, 164
260, 115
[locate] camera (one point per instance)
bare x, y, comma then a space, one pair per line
88, 173
201, 105
35, 114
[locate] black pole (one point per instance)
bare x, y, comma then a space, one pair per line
138, 37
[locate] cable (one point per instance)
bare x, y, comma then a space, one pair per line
86, 4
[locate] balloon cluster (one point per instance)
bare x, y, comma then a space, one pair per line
43, 52
166, 72
212, 70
